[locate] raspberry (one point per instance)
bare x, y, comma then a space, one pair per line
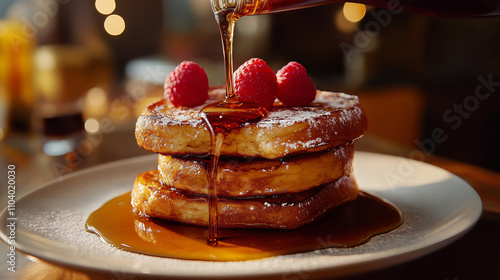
295, 86
186, 85
255, 81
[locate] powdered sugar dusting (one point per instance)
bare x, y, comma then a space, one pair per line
288, 117
325, 104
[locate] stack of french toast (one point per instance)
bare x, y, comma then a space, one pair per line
283, 171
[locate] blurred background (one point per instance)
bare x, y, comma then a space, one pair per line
74, 75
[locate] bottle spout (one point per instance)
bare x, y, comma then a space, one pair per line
239, 7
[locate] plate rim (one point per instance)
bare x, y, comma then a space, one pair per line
377, 260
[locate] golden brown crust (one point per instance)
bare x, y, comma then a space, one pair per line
332, 119
151, 198
257, 176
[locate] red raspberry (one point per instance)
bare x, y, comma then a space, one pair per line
255, 81
295, 86
186, 85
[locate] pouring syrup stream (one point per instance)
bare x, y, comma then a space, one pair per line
226, 21
224, 116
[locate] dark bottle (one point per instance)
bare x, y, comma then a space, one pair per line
445, 8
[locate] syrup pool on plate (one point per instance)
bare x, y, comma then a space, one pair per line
349, 225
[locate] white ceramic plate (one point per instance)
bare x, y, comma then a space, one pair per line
437, 207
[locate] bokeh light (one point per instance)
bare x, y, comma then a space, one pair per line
354, 12
92, 126
114, 25
105, 7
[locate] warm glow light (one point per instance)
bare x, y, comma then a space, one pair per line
105, 7
96, 97
354, 12
114, 25
45, 59
95, 102
91, 126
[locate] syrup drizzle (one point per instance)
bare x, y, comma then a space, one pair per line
226, 19
223, 117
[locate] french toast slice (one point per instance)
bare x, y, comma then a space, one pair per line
243, 177
331, 120
289, 211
